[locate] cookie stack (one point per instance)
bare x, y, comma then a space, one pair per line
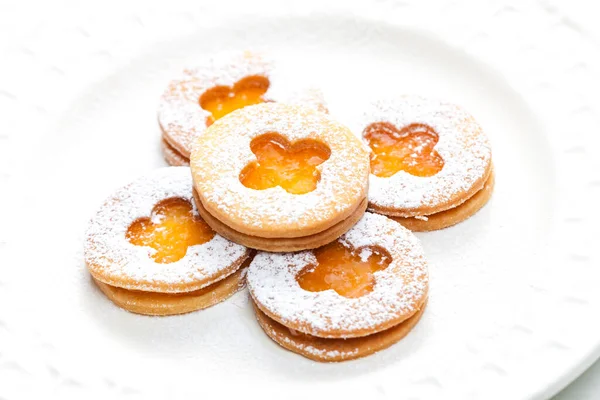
311, 214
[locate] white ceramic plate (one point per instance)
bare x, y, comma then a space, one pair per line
513, 289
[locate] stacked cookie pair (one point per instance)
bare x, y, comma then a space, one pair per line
276, 195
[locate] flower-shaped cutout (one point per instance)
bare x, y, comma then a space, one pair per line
280, 163
171, 228
347, 271
409, 149
221, 100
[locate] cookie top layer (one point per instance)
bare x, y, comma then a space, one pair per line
224, 151
180, 115
399, 290
462, 145
114, 260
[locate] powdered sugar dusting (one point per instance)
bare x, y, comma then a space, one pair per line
324, 354
365, 254
110, 254
462, 144
224, 151
172, 156
179, 112
399, 289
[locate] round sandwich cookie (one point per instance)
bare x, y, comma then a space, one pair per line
217, 86
172, 156
151, 253
280, 178
431, 163
347, 299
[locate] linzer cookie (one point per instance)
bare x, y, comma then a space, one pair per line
216, 87
347, 299
431, 164
277, 177
151, 253
172, 156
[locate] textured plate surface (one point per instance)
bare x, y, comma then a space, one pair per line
513, 289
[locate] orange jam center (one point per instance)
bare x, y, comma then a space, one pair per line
170, 230
221, 100
348, 272
409, 149
278, 163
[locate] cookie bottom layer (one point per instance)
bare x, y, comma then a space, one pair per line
453, 216
154, 303
172, 156
277, 245
334, 350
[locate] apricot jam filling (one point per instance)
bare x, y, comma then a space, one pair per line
221, 100
279, 163
171, 228
348, 272
408, 149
